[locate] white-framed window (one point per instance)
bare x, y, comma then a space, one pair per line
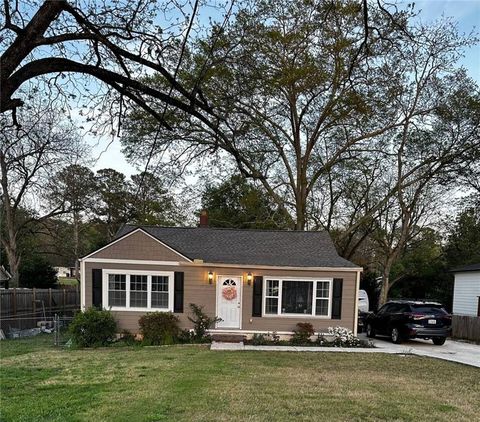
160, 291
271, 296
129, 290
117, 290
297, 297
138, 291
322, 299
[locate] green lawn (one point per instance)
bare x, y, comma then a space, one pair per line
67, 281
192, 383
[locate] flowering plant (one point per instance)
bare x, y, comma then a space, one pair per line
343, 337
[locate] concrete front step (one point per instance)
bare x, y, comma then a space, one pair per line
228, 338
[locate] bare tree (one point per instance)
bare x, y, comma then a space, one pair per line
28, 157
422, 167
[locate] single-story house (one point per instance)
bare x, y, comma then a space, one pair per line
256, 281
466, 291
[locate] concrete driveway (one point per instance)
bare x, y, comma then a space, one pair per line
455, 351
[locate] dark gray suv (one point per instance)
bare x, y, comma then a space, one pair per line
402, 320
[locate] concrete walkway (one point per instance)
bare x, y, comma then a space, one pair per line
454, 351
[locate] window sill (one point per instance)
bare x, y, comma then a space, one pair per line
121, 309
296, 316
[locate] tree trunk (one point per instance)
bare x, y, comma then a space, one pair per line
300, 223
386, 281
10, 243
384, 290
301, 203
13, 262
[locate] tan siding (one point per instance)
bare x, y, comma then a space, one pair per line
138, 246
288, 323
197, 290
87, 278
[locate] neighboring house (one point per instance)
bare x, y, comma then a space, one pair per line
256, 281
466, 292
63, 271
5, 277
68, 272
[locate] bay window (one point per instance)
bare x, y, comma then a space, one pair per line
138, 290
311, 298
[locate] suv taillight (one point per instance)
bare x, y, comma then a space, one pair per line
415, 316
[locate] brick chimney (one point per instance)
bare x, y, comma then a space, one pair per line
203, 219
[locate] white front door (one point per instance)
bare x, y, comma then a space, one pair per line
229, 301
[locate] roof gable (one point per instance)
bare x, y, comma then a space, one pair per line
138, 244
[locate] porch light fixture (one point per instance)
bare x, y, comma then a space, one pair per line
249, 279
210, 277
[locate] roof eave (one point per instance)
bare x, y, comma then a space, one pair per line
475, 270
281, 267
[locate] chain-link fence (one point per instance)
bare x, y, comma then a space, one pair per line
61, 337
56, 325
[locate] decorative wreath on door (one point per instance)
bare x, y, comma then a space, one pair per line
229, 292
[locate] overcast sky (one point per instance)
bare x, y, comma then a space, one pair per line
466, 12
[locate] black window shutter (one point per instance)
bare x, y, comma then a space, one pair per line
337, 298
178, 292
257, 296
97, 288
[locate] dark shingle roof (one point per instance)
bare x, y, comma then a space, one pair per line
471, 267
249, 247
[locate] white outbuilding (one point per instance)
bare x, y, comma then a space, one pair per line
466, 292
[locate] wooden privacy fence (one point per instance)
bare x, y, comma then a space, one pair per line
466, 327
24, 308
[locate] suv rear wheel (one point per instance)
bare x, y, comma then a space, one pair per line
370, 331
395, 336
438, 341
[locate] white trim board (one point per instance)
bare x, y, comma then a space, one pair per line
139, 229
278, 267
243, 267
82, 285
357, 287
131, 261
